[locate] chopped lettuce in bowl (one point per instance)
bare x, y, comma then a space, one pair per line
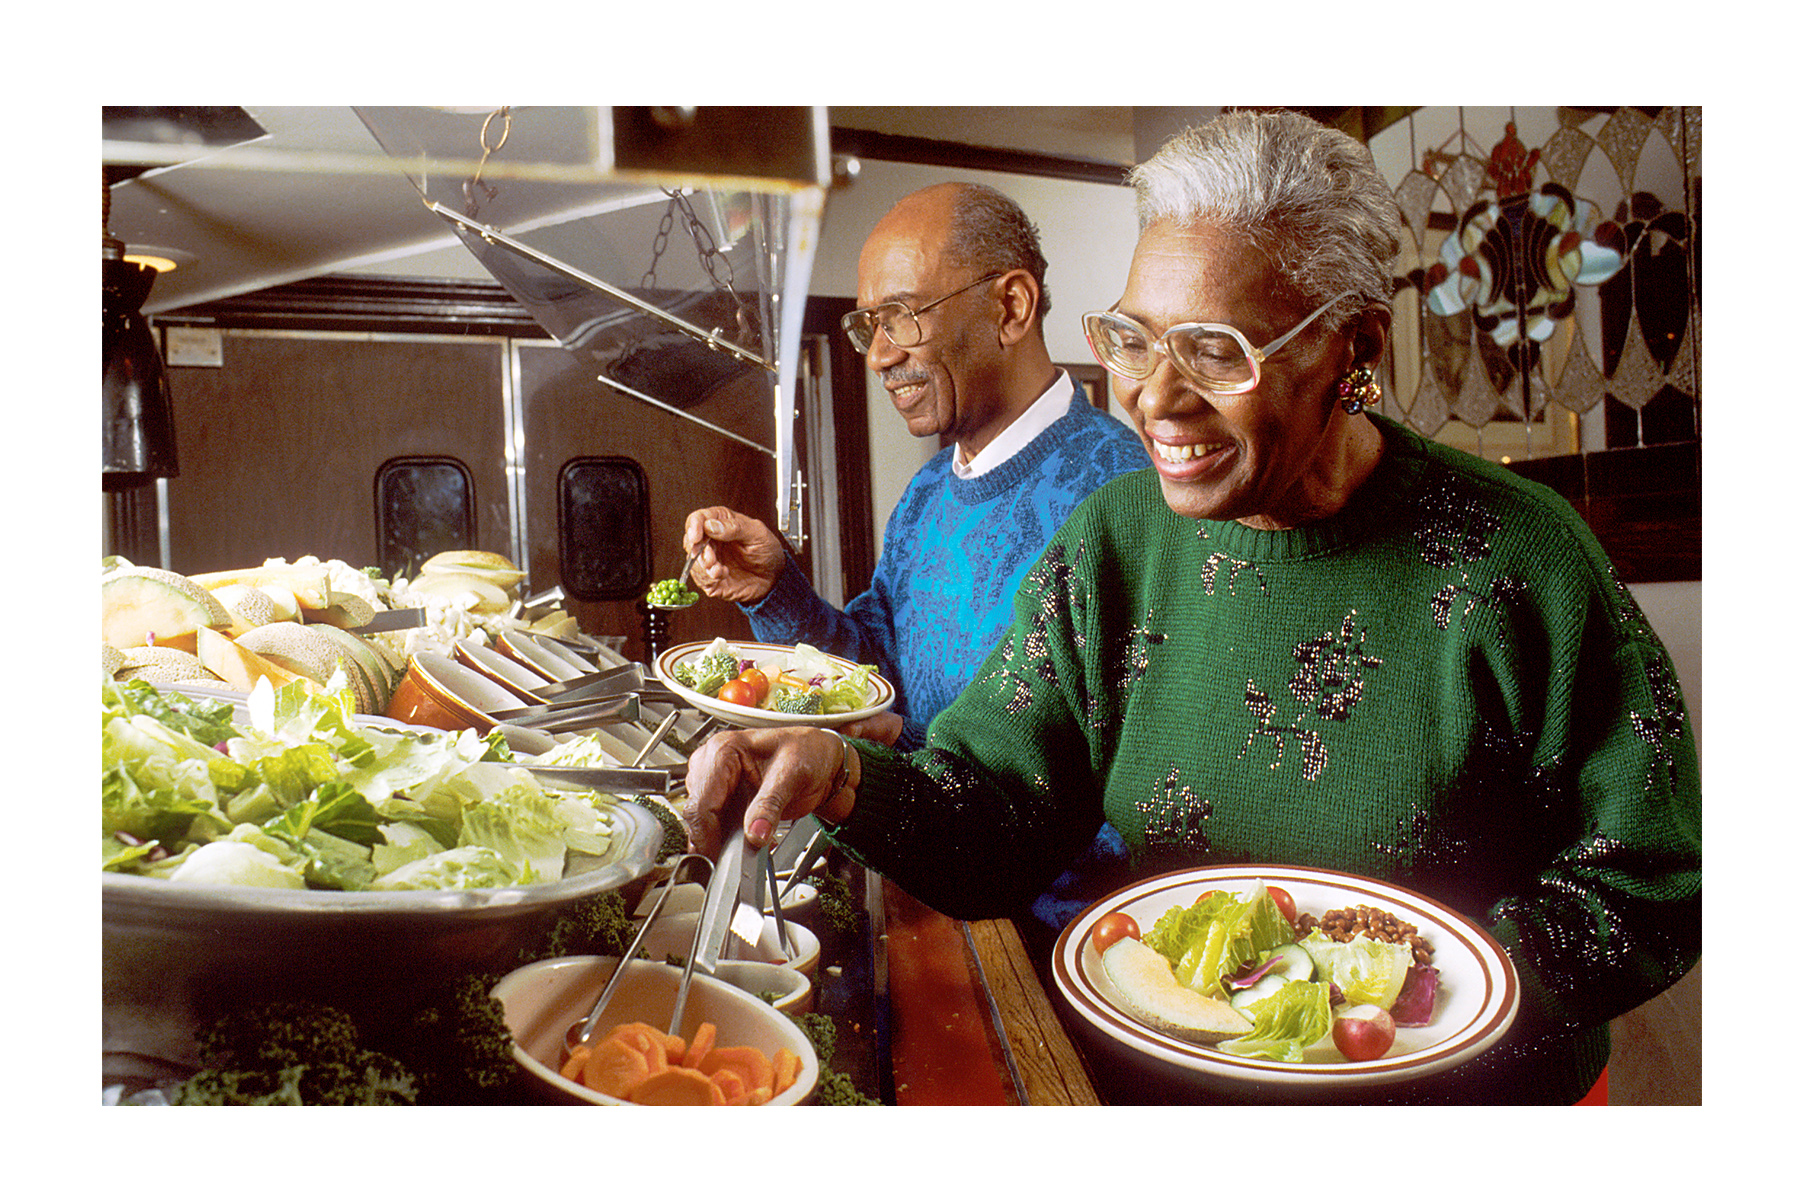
294, 792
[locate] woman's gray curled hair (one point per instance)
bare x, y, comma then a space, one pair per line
1305, 194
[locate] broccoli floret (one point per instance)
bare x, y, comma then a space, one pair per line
708, 673
292, 1052
797, 700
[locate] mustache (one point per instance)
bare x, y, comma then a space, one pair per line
896, 377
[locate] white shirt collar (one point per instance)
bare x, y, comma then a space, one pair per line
1044, 412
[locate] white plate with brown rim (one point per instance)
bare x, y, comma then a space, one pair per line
1477, 997
770, 658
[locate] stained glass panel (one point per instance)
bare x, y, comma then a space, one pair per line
1551, 265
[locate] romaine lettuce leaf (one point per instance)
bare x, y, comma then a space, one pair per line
1218, 935
1287, 1022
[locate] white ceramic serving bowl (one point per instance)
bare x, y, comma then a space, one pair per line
784, 987
801, 903
544, 998
673, 936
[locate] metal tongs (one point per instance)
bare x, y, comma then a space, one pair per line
725, 878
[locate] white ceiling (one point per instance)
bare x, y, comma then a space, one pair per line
342, 205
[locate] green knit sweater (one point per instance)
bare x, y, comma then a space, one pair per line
1444, 685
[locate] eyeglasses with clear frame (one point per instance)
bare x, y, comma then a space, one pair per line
1215, 356
898, 321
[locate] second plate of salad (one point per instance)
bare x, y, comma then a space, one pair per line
763, 684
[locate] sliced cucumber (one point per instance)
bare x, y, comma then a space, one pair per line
1296, 966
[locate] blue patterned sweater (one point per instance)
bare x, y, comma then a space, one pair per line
952, 556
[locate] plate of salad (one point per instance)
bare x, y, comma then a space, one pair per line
1268, 991
761, 684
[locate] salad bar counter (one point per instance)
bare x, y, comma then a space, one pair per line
359, 840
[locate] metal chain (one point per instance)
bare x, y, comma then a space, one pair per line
469, 186
704, 247
659, 245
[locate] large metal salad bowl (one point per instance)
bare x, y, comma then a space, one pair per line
171, 953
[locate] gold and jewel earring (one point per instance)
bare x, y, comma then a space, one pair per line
1359, 389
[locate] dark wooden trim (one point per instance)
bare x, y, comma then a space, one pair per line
932, 152
1642, 502
850, 420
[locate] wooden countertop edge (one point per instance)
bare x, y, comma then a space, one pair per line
1046, 1062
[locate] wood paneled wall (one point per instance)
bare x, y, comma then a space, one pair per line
278, 448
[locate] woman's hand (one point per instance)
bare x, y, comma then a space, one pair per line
763, 777
736, 558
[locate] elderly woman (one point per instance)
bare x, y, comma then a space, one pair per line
1308, 636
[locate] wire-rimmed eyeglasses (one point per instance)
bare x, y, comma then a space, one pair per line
1216, 356
898, 321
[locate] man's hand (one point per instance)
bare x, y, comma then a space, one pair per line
883, 727
736, 558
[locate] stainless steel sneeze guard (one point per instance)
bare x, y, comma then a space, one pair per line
670, 249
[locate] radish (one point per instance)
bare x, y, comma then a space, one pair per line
1363, 1032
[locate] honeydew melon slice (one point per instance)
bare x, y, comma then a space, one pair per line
494, 568
465, 588
141, 604
111, 658
1148, 988
310, 585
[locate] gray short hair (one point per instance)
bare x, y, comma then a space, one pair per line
989, 232
1306, 195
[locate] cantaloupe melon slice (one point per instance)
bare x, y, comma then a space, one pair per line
163, 664
308, 650
238, 667
138, 604
249, 606
348, 611
374, 668
1147, 985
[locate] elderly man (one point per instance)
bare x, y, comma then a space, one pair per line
951, 283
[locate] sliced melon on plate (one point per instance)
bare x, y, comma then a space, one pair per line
1150, 992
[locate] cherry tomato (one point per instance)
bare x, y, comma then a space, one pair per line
736, 691
759, 683
1285, 903
1113, 927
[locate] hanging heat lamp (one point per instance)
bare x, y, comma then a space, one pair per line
137, 420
